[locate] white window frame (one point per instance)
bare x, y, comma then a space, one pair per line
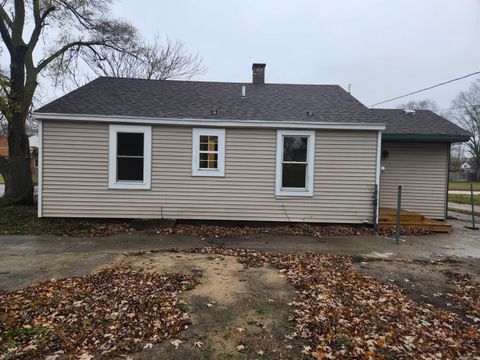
196, 170
308, 190
147, 157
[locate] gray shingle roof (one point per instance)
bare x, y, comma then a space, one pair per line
268, 102
423, 122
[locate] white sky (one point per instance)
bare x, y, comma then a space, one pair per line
384, 48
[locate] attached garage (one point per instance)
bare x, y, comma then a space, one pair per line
415, 155
422, 171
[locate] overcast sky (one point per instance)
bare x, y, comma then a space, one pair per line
384, 48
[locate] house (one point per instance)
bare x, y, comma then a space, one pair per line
33, 140
132, 148
3, 146
465, 166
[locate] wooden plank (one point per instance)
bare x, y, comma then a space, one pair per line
412, 220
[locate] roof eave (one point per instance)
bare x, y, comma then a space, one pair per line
452, 138
233, 123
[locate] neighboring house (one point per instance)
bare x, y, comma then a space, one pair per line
465, 166
33, 140
3, 146
131, 148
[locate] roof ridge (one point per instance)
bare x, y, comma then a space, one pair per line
211, 82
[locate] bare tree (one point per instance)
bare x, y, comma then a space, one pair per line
466, 112
157, 60
72, 29
426, 104
457, 156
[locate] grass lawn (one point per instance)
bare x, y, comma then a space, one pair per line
23, 220
463, 185
463, 199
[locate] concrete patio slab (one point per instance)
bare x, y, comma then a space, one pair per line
28, 259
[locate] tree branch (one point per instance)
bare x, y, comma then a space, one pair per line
5, 17
39, 20
6, 36
84, 21
43, 63
18, 22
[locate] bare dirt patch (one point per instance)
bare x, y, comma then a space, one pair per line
424, 281
236, 312
343, 313
252, 304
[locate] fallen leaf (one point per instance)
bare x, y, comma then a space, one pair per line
176, 343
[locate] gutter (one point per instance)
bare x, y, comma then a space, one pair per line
211, 122
452, 138
40, 171
378, 172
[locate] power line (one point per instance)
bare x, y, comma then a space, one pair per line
450, 108
427, 88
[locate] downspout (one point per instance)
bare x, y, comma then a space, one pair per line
449, 150
40, 170
377, 178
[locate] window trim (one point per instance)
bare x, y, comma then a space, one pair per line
112, 157
196, 170
308, 191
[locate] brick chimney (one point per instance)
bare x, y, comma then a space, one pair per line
258, 74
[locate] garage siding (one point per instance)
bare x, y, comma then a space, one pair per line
75, 177
421, 169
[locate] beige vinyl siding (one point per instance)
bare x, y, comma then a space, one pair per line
75, 183
421, 170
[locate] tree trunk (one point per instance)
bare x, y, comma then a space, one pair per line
16, 170
18, 182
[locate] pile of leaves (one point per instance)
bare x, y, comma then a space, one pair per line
302, 229
466, 295
345, 314
23, 220
109, 312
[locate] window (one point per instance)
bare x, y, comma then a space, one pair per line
130, 153
295, 157
208, 152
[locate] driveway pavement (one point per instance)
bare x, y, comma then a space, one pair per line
28, 259
463, 208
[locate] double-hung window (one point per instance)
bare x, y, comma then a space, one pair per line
295, 158
130, 155
208, 152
